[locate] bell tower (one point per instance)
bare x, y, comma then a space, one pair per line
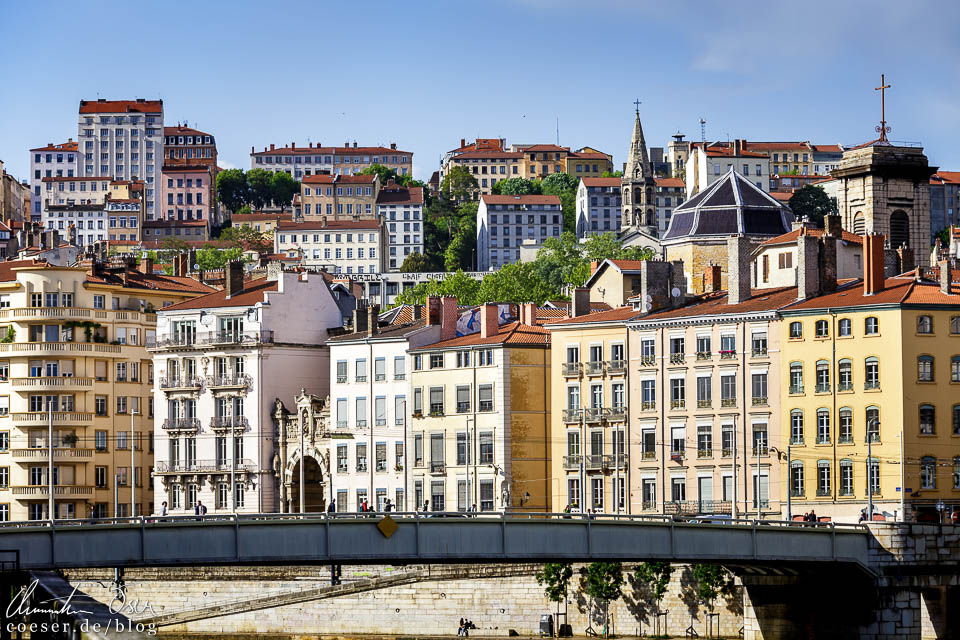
638, 186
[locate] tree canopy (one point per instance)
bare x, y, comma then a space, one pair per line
517, 187
282, 189
415, 263
458, 184
256, 188
711, 580
214, 258
386, 173
555, 579
565, 262
247, 237
612, 174
232, 189
811, 202
656, 577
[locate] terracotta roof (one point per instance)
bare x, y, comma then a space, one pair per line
589, 155
716, 304
358, 178
326, 178
791, 237
494, 199
510, 334
545, 147
396, 194
480, 143
155, 282
64, 146
318, 225
601, 182
466, 155
183, 131
953, 177
7, 273
310, 150
827, 148
620, 314
395, 330
251, 294
121, 106
774, 146
782, 196
895, 290
669, 182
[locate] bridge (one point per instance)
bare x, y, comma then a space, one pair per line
401, 538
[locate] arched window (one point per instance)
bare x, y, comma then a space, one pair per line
925, 324
822, 329
955, 324
871, 326
928, 472
823, 426
873, 423
823, 478
859, 225
871, 373
925, 368
845, 375
928, 419
845, 328
796, 331
845, 432
796, 427
846, 477
955, 369
899, 229
796, 377
823, 376
796, 479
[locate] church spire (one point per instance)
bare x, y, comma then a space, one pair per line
638, 161
637, 185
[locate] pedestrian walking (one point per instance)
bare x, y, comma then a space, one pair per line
426, 506
388, 506
332, 507
163, 509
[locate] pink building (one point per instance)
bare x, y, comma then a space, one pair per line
185, 193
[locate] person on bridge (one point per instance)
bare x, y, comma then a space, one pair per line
163, 508
200, 509
332, 507
388, 506
426, 506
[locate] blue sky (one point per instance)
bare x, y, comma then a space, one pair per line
425, 74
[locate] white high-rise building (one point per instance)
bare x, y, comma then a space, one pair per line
123, 139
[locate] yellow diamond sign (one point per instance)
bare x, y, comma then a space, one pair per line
387, 526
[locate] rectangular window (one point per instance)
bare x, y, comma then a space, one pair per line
463, 399
436, 401
486, 447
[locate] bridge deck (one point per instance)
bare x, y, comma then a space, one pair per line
422, 538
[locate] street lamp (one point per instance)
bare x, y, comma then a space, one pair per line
780, 455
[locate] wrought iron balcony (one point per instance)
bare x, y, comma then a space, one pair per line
593, 414
181, 424
796, 440
619, 460
823, 387
759, 401
824, 439
438, 467
648, 361
796, 389
847, 439
571, 463
596, 462
571, 415
204, 466
759, 353
704, 404
228, 422
868, 386
648, 405
571, 369
728, 402
704, 355
677, 404
845, 386
182, 382
704, 453
649, 454
677, 358
728, 355
677, 454
595, 368
616, 367
761, 451
230, 380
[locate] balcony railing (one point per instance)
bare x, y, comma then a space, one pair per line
704, 355
341, 379
677, 404
845, 439
595, 368
619, 460
696, 507
51, 382
595, 462
203, 466
704, 404
648, 405
761, 451
571, 415
759, 401
571, 463
823, 493
183, 340
728, 402
593, 414
42, 417
867, 386
648, 361
231, 380
463, 407
648, 454
677, 454
437, 467
185, 382
823, 387
677, 358
181, 424
704, 453
43, 453
571, 369
63, 490
648, 505
237, 337
824, 439
845, 386
728, 355
226, 422
759, 352
796, 440
616, 367
617, 414
796, 388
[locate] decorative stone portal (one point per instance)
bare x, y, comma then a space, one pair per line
302, 439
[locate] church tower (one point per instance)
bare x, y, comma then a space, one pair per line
638, 186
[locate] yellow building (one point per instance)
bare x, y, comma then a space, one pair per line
75, 341
340, 197
540, 160
480, 407
262, 222
587, 163
588, 426
876, 362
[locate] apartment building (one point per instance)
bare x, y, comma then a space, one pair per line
401, 210
259, 221
708, 163
188, 147
371, 407
540, 160
589, 426
826, 158
774, 262
123, 139
76, 347
480, 414
598, 206
222, 362
186, 193
349, 159
587, 163
339, 196
505, 223
489, 167
336, 246
50, 161
944, 200
496, 145
186, 230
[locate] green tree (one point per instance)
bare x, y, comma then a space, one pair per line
555, 580
603, 581
282, 189
244, 209
515, 283
565, 262
516, 187
564, 186
612, 174
260, 185
214, 258
944, 235
811, 202
603, 246
462, 286
232, 189
711, 580
247, 237
458, 184
656, 577
415, 263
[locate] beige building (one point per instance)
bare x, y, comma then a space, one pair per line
774, 263
339, 197
77, 345
14, 197
480, 407
336, 246
489, 166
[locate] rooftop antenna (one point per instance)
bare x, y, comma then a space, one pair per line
703, 131
558, 131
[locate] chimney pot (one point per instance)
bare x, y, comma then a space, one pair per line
373, 321
448, 318
580, 305
360, 318
489, 319
233, 277
713, 281
945, 276
808, 267
594, 265
271, 146
433, 310
463, 142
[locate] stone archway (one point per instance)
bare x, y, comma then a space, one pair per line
315, 496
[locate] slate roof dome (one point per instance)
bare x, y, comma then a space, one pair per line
732, 205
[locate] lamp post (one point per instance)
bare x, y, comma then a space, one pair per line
789, 488
870, 470
133, 467
50, 506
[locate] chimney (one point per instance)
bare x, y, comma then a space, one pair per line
581, 302
393, 145
293, 145
678, 284
417, 312
873, 259
373, 320
179, 265
907, 261
252, 150
360, 318
654, 285
125, 275
271, 146
712, 278
891, 263
489, 319
463, 142
808, 267
354, 144
594, 265
148, 266
945, 278
737, 146
828, 262
448, 317
738, 271
528, 314
191, 260
832, 224
233, 278
433, 311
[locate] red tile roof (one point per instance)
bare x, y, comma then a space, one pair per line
121, 106
183, 131
669, 182
791, 237
512, 334
396, 194
601, 182
827, 148
895, 290
317, 225
326, 178
589, 155
953, 177
467, 155
782, 196
155, 282
774, 146
716, 304
7, 273
620, 314
252, 293
64, 146
545, 147
494, 199
309, 150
